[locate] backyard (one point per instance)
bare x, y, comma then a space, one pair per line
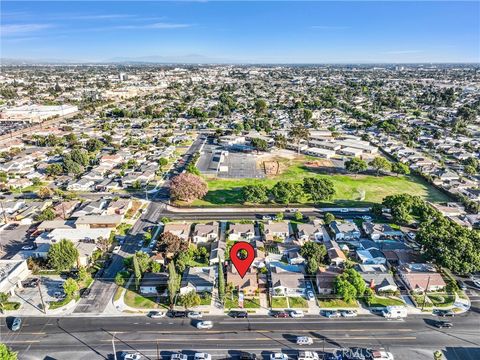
350, 189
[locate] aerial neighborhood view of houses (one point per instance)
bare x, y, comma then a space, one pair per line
124, 188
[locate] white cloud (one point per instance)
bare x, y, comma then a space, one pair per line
13, 29
400, 52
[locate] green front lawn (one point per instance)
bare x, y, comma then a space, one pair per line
379, 301
419, 300
297, 302
58, 304
135, 300
350, 189
248, 303
336, 303
441, 300
10, 305
205, 299
279, 302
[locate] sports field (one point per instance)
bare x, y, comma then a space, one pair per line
351, 190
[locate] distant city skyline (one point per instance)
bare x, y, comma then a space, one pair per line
242, 32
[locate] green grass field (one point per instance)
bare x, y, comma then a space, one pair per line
379, 301
336, 303
279, 302
297, 302
351, 190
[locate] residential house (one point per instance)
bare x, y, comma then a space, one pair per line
335, 254
420, 277
248, 284
377, 278
81, 185
205, 232
98, 221
119, 207
372, 256
312, 232
217, 251
198, 279
287, 280
380, 231
180, 230
241, 232
277, 231
325, 279
345, 230
153, 282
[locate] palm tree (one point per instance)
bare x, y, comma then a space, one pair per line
299, 133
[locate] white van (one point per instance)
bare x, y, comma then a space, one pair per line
395, 312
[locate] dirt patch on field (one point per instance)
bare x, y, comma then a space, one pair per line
271, 167
319, 163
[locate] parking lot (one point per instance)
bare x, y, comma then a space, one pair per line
30, 296
12, 238
237, 164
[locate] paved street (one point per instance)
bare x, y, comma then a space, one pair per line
91, 338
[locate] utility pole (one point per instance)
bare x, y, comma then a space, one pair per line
3, 212
425, 293
113, 346
44, 309
158, 352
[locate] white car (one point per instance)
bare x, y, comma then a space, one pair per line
366, 217
116, 249
382, 355
202, 356
156, 314
179, 357
278, 356
194, 315
140, 243
304, 340
310, 295
266, 217
308, 355
204, 325
348, 313
131, 356
28, 247
297, 314
343, 210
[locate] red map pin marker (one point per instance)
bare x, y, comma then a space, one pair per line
242, 255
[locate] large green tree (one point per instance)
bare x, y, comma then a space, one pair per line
62, 255
380, 163
255, 193
285, 192
318, 189
356, 165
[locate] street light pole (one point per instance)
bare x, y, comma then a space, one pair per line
113, 346
425, 293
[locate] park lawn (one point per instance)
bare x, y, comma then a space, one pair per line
336, 303
379, 301
441, 300
138, 301
279, 302
350, 189
297, 302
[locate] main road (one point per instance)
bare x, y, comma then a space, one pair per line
78, 338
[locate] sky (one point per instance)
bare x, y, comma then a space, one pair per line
242, 32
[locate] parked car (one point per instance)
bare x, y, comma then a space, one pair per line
381, 355
366, 218
343, 210
131, 356
116, 249
58, 295
16, 324
278, 356
308, 355
177, 314
348, 313
204, 325
280, 314
85, 292
331, 314
247, 356
266, 217
28, 247
179, 356
31, 283
238, 314
297, 314
10, 227
202, 356
156, 314
310, 295
443, 324
194, 315
445, 313
304, 340
462, 285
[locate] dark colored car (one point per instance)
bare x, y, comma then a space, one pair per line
462, 285
16, 324
445, 313
238, 314
444, 325
177, 314
31, 283
280, 314
85, 292
247, 356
